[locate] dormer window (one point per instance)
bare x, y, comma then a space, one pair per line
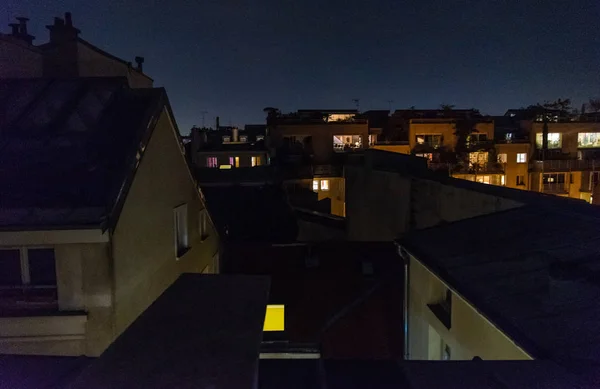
226, 139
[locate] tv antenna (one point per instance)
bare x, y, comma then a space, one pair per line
357, 103
203, 113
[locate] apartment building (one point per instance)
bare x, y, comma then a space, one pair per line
65, 55
520, 295
99, 212
567, 162
227, 148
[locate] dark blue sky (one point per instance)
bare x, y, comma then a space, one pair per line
233, 58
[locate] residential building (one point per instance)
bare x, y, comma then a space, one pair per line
319, 137
528, 293
567, 163
65, 55
99, 212
341, 301
229, 148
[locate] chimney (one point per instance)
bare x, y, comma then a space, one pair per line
14, 29
62, 30
68, 20
20, 30
235, 134
218, 124
140, 63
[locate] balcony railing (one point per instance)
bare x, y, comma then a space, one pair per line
564, 165
556, 188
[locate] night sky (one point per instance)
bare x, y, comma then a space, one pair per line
233, 58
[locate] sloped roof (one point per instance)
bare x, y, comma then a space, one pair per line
534, 271
67, 147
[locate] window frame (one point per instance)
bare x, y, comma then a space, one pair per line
25, 285
324, 188
203, 225
181, 230
520, 155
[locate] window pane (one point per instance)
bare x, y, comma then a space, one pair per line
42, 266
10, 268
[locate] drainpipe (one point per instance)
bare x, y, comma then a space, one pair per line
406, 259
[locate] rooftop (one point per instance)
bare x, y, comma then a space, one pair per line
541, 289
68, 146
204, 331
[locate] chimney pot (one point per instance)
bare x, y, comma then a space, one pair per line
68, 19
15, 28
140, 63
23, 24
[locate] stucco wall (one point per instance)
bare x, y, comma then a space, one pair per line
470, 334
83, 325
144, 252
512, 168
409, 203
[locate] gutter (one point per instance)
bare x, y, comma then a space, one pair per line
406, 260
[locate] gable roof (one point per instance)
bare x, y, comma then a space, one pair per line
68, 148
533, 271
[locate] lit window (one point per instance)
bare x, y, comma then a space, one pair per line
554, 140
211, 162
231, 161
502, 180
316, 185
509, 136
429, 156
521, 157
237, 162
226, 139
502, 158
479, 158
260, 137
588, 139
255, 161
181, 230
324, 185
483, 179
429, 140
225, 167
274, 318
243, 138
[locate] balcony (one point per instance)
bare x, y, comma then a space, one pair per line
556, 188
565, 165
487, 168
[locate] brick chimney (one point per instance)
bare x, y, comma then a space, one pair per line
140, 63
62, 30
19, 30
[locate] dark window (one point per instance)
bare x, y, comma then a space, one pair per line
554, 178
42, 267
10, 268
571, 178
520, 180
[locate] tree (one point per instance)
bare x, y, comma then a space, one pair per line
594, 105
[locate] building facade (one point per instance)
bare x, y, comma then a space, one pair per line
108, 218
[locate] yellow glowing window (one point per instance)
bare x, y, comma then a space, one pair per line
324, 185
275, 318
237, 161
316, 185
225, 167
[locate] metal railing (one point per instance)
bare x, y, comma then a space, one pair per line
564, 165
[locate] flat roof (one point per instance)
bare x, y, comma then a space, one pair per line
204, 331
534, 271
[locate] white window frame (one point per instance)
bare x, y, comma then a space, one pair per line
181, 230
315, 186
521, 160
25, 269
325, 185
